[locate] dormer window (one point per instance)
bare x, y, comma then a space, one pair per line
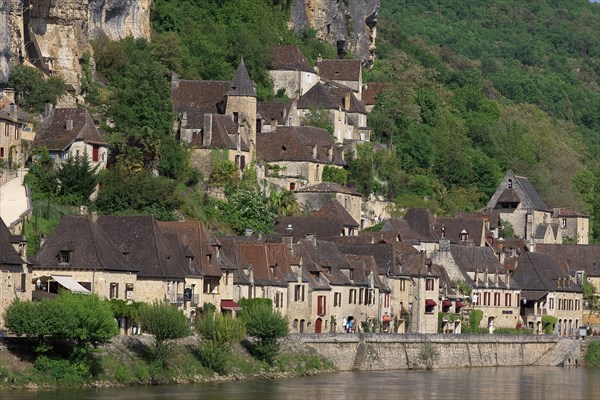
236, 117
443, 232
464, 236
64, 257
510, 185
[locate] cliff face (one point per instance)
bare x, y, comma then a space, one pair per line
54, 34
350, 25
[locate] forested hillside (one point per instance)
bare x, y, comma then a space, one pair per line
473, 89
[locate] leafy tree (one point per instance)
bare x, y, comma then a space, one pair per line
224, 171
42, 178
32, 90
264, 325
166, 323
318, 118
218, 333
248, 209
335, 175
283, 202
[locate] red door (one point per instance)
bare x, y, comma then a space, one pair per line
95, 150
318, 325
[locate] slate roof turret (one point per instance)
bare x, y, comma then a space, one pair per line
241, 84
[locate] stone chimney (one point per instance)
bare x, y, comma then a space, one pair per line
48, 109
347, 101
287, 237
10, 95
249, 232
94, 216
314, 151
312, 238
184, 120
174, 80
330, 154
69, 124
207, 132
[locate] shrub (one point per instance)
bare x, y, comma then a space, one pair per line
214, 355
592, 356
548, 322
221, 329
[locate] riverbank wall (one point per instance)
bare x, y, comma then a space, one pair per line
370, 352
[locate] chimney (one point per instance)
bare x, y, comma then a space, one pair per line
10, 95
347, 101
287, 237
174, 80
42, 240
184, 120
330, 154
249, 232
314, 151
507, 279
312, 238
207, 133
69, 125
94, 216
48, 110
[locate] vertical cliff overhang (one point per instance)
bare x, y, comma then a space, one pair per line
349, 25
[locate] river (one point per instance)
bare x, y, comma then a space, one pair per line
504, 383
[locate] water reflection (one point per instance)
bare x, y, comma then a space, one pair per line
505, 383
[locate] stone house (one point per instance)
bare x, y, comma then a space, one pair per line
15, 272
346, 72
492, 289
294, 157
217, 117
16, 131
547, 290
68, 132
347, 114
333, 209
517, 202
316, 196
272, 114
291, 72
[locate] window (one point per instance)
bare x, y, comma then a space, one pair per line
402, 285
361, 295
292, 186
299, 293
429, 284
496, 299
129, 291
64, 257
386, 300
23, 282
95, 152
1, 152
352, 297
517, 299
236, 117
486, 298
278, 300
564, 222
210, 286
551, 303
114, 291
337, 299
507, 300
321, 305
510, 183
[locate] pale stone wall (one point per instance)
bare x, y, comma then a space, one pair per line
10, 290
577, 228
389, 352
301, 173
351, 203
503, 315
79, 148
10, 142
299, 310
295, 83
245, 106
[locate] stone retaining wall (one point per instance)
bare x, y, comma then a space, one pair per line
387, 352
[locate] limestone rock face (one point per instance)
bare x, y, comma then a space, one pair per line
53, 35
350, 25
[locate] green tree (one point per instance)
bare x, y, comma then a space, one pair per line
166, 323
32, 90
77, 180
335, 175
218, 332
264, 325
248, 209
318, 118
283, 202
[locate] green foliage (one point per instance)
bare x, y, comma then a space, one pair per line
42, 179
220, 328
166, 323
32, 90
592, 356
590, 295
45, 217
264, 325
335, 175
475, 318
65, 372
548, 323
506, 230
224, 171
130, 193
463, 287
283, 202
428, 354
76, 180
213, 355
375, 228
248, 209
318, 118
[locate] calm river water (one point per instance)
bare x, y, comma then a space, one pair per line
504, 383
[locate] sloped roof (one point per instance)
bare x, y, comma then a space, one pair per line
574, 257
340, 70
400, 227
290, 57
145, 247
567, 212
533, 195
453, 227
541, 272
321, 227
335, 210
365, 269
395, 259
9, 258
473, 258
198, 96
295, 143
370, 93
90, 247
191, 240
509, 196
421, 220
268, 261
274, 110
54, 135
241, 84
223, 135
328, 187
330, 97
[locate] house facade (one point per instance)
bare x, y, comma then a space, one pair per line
291, 72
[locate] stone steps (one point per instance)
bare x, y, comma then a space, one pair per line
565, 352
361, 354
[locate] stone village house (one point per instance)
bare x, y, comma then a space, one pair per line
16, 131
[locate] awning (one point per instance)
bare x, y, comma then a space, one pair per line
430, 303
458, 304
230, 305
69, 283
446, 303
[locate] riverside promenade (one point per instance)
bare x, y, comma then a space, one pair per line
15, 203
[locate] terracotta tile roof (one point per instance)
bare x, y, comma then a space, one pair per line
288, 143
371, 91
54, 135
333, 209
340, 70
269, 262
329, 187
241, 84
574, 257
330, 97
541, 272
290, 57
90, 247
144, 245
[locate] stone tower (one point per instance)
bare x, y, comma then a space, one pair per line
241, 105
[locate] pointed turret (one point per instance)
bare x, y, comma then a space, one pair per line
241, 84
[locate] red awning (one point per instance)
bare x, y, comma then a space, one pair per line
446, 303
230, 305
458, 304
430, 303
